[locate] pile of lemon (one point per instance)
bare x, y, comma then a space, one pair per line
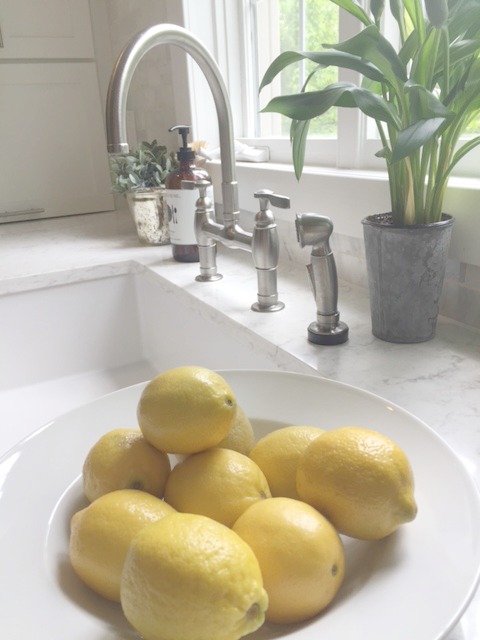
236, 532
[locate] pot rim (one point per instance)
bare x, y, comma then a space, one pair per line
374, 221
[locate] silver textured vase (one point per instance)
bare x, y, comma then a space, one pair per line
405, 269
149, 211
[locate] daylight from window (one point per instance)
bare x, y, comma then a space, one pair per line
295, 25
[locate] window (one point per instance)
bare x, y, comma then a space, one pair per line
301, 25
228, 29
343, 138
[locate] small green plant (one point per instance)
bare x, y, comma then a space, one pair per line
423, 96
146, 167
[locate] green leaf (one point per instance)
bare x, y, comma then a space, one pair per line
410, 7
371, 45
464, 21
354, 9
308, 105
425, 60
298, 136
412, 138
424, 104
323, 59
283, 60
384, 152
377, 8
396, 9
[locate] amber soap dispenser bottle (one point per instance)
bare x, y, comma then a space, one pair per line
181, 202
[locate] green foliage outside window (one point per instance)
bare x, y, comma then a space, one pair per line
321, 25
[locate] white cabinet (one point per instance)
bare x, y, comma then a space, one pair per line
45, 29
54, 160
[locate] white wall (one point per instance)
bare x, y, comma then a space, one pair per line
152, 97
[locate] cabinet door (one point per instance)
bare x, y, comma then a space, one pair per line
45, 29
53, 160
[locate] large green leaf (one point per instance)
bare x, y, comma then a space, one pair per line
424, 104
308, 105
283, 60
409, 48
371, 45
354, 9
463, 49
425, 59
298, 136
465, 94
465, 20
324, 59
412, 138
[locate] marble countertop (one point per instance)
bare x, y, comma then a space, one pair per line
438, 381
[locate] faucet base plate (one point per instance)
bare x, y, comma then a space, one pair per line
277, 306
211, 278
328, 336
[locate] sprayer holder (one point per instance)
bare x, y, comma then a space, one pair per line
315, 230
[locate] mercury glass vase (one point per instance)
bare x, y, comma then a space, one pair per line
149, 211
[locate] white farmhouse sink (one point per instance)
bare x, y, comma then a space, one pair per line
64, 345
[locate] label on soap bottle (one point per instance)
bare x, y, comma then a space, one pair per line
181, 214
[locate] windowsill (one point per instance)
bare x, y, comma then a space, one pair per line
460, 182
349, 195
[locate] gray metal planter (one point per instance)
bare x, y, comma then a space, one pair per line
405, 269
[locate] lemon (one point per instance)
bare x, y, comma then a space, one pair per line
188, 577
186, 409
300, 554
241, 437
123, 459
277, 454
360, 480
218, 483
101, 533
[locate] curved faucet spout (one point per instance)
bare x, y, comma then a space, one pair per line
120, 83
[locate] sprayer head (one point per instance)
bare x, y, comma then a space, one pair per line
313, 229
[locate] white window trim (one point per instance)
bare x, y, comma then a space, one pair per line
346, 195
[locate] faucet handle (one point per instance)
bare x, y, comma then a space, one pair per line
266, 196
202, 185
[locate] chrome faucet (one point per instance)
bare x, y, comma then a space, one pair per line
315, 231
229, 232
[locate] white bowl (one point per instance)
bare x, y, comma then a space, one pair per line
414, 584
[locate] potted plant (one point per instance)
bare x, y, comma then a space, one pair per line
140, 175
422, 97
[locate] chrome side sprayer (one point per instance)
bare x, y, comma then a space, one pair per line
315, 230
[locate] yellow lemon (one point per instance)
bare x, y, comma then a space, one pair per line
277, 454
218, 483
360, 480
241, 437
123, 459
188, 577
186, 409
300, 555
101, 533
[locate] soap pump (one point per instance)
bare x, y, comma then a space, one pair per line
181, 203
